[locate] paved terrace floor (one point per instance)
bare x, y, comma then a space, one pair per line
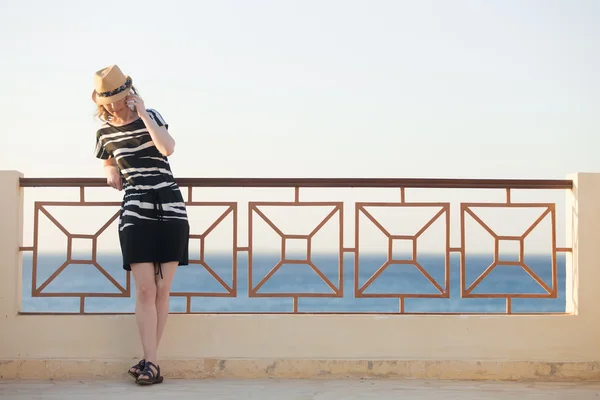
297, 390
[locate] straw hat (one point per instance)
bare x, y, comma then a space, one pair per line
110, 85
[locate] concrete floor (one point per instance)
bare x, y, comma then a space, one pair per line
297, 390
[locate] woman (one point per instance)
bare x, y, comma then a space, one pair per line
153, 228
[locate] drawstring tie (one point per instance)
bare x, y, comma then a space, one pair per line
160, 213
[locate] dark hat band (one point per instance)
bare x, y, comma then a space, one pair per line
118, 90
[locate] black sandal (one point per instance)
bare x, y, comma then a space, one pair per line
139, 366
149, 373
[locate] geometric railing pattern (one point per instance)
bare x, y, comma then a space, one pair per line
335, 215
334, 286
443, 288
467, 210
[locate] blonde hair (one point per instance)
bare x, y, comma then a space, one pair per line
102, 114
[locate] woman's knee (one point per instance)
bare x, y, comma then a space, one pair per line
146, 293
164, 282
145, 287
163, 291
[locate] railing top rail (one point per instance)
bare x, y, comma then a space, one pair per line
444, 183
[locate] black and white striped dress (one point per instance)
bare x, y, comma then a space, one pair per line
153, 223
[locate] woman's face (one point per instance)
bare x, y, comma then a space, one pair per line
118, 109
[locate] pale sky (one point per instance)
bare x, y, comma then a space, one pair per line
281, 88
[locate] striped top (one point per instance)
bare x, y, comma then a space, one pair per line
151, 192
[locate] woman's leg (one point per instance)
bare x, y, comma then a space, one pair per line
145, 307
163, 290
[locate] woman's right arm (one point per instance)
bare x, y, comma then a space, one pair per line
113, 177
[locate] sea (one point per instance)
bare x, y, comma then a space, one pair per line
301, 278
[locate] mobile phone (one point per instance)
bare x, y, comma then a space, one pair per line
130, 102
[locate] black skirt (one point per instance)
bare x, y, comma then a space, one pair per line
157, 237
155, 242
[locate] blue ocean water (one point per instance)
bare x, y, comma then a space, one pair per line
298, 278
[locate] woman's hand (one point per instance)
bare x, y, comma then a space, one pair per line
113, 177
135, 100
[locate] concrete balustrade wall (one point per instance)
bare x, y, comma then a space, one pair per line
539, 347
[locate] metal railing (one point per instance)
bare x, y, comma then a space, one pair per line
360, 210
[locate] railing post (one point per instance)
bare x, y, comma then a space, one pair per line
583, 235
11, 234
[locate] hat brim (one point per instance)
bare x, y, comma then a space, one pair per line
107, 100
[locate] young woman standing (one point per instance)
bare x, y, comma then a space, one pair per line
134, 143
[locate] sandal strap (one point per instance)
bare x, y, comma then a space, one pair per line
150, 363
149, 372
140, 365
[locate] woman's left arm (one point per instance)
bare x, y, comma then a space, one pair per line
163, 141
